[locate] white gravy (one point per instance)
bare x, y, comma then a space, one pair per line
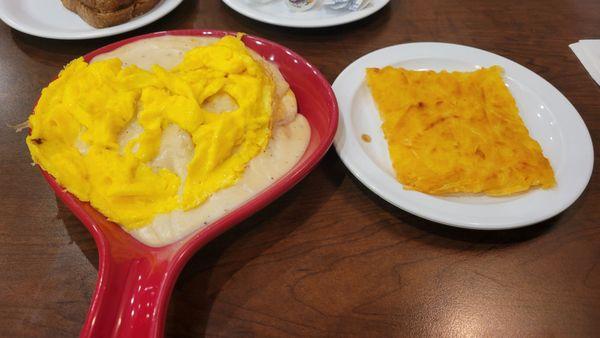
286, 147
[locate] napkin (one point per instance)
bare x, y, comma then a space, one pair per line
588, 52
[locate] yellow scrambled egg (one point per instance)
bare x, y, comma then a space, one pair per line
76, 125
456, 132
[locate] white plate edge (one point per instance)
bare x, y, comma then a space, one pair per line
319, 23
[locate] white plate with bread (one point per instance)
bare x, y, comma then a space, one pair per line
82, 19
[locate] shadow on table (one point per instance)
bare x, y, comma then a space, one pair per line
78, 233
213, 266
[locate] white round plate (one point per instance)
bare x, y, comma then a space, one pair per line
276, 12
550, 117
50, 19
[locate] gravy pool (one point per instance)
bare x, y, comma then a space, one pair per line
286, 147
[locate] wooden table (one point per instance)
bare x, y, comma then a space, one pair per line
329, 258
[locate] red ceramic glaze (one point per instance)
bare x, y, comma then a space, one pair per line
135, 281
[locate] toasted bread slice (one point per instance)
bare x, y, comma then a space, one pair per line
102, 19
107, 5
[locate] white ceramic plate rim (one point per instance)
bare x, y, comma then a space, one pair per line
344, 18
533, 207
161, 9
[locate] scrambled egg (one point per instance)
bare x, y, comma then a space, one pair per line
76, 125
457, 132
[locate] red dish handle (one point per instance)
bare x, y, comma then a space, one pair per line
132, 292
135, 280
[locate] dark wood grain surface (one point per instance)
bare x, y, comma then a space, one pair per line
329, 258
